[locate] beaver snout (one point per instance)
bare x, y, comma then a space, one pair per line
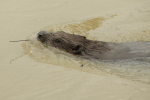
41, 36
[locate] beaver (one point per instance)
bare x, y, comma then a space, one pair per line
91, 49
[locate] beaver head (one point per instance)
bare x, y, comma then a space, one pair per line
71, 43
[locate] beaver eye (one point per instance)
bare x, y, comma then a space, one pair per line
57, 40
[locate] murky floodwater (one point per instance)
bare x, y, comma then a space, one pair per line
137, 69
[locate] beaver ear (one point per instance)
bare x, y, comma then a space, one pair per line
77, 50
84, 37
76, 47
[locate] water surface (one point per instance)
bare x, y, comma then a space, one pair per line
135, 69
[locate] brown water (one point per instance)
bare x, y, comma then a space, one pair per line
137, 69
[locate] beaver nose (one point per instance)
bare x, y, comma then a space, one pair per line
40, 34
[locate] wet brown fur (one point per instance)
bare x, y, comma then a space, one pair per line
85, 48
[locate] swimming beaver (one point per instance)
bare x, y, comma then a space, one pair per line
80, 46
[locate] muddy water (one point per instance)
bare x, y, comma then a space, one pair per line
136, 69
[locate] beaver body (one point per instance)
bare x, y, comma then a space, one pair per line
90, 49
